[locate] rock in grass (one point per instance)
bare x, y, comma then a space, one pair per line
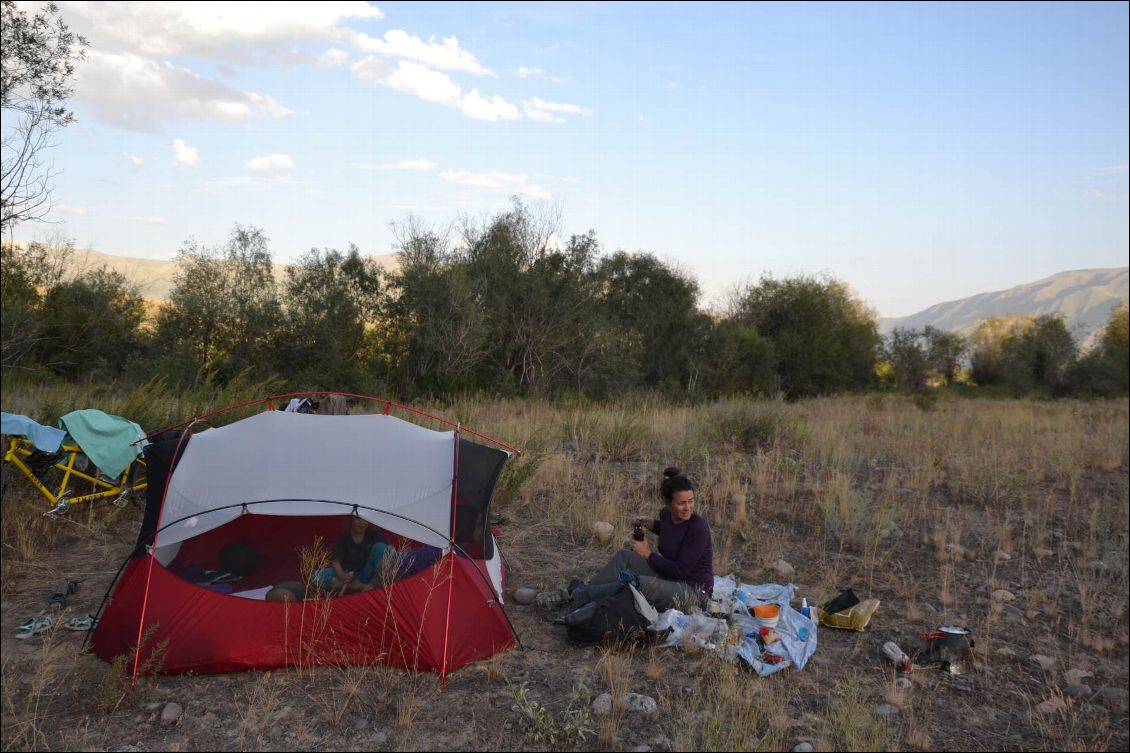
1075, 675
602, 705
1039, 663
1052, 706
784, 568
803, 748
603, 531
1002, 595
888, 710
641, 704
1077, 690
171, 713
525, 596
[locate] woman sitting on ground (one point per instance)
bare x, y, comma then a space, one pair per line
680, 574
357, 555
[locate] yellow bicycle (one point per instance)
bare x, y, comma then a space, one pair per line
73, 467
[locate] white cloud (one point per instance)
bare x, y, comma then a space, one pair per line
484, 180
543, 111
476, 106
135, 161
535, 192
71, 209
333, 57
421, 81
151, 220
233, 31
510, 181
524, 72
421, 165
270, 164
434, 86
140, 94
185, 155
371, 70
445, 56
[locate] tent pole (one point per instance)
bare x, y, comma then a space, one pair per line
451, 554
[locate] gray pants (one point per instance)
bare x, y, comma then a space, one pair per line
661, 592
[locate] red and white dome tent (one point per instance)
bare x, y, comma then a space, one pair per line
275, 482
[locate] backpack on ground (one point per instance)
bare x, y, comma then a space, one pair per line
623, 616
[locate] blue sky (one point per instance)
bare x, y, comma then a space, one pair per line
920, 153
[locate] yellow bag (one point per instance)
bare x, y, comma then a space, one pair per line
855, 618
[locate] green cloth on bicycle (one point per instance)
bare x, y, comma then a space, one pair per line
107, 440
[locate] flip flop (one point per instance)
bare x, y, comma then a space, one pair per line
33, 625
57, 601
84, 623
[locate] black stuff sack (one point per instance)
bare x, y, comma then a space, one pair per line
609, 620
239, 558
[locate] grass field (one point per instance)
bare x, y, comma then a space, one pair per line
1010, 517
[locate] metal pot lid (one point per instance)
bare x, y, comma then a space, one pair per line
954, 630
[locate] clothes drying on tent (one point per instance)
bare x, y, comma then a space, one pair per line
283, 483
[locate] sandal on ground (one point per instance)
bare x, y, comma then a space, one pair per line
33, 625
57, 601
553, 599
85, 622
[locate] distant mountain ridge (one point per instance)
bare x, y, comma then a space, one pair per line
1084, 297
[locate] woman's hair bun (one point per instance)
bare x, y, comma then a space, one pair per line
671, 471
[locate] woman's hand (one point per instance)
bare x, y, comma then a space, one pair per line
641, 548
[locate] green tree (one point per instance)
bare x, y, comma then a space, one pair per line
1105, 370
90, 325
906, 351
1024, 354
740, 360
25, 276
223, 314
825, 340
944, 351
39, 55
331, 302
655, 308
436, 330
538, 300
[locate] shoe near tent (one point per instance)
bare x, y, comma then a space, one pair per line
277, 482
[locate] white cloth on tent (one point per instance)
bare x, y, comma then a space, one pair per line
397, 473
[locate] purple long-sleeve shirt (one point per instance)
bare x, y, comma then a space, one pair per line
685, 551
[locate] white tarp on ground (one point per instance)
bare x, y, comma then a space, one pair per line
375, 461
797, 632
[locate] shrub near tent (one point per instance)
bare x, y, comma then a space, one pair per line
275, 483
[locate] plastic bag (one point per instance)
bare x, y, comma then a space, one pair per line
855, 618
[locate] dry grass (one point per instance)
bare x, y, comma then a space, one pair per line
931, 511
